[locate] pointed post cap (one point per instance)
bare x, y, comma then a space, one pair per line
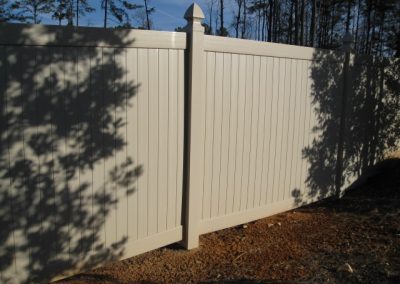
194, 13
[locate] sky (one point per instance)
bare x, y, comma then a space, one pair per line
167, 16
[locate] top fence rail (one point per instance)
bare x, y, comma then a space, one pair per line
40, 35
257, 48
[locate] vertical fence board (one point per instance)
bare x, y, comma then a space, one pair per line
255, 112
224, 147
180, 129
239, 188
260, 133
109, 147
8, 187
280, 129
152, 206
264, 116
98, 183
217, 129
273, 140
314, 120
305, 131
120, 148
163, 139
286, 144
143, 153
233, 124
132, 141
247, 131
86, 169
172, 136
296, 151
266, 176
90, 97
209, 134
16, 66
299, 123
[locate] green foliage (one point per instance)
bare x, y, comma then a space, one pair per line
70, 10
118, 10
30, 10
8, 11
223, 32
61, 11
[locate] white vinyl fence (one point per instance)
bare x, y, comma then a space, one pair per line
117, 142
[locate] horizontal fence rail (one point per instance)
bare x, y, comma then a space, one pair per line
17, 34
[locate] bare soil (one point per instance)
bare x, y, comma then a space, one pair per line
352, 240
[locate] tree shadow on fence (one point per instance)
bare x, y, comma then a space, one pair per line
372, 126
59, 121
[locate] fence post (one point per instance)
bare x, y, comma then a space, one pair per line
347, 48
194, 125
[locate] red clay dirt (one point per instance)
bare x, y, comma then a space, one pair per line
352, 240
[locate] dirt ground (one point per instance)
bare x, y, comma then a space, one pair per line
352, 240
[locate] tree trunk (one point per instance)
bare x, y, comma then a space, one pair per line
70, 11
302, 23
357, 26
275, 21
258, 22
35, 20
332, 26
237, 25
271, 6
290, 27
296, 22
381, 29
77, 13
221, 16
373, 27
348, 17
147, 15
105, 13
244, 26
211, 9
265, 23
312, 26
368, 31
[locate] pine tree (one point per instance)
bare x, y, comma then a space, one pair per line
70, 10
118, 9
148, 12
222, 31
30, 10
82, 7
60, 12
8, 11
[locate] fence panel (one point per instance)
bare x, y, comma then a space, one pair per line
92, 148
259, 120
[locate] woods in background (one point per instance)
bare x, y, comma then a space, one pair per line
116, 13
375, 24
